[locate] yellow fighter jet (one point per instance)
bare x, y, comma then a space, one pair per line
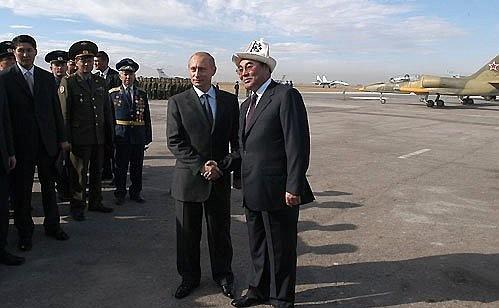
485, 83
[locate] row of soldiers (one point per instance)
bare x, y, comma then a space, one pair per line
69, 124
163, 88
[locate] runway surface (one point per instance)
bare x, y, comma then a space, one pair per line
406, 215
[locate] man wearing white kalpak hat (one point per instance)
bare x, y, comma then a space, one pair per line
275, 148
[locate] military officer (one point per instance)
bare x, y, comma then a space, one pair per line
71, 67
132, 131
7, 58
87, 113
58, 60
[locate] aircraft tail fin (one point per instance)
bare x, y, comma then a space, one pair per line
324, 79
319, 78
490, 71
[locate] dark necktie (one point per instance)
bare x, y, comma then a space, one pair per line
207, 108
251, 111
129, 95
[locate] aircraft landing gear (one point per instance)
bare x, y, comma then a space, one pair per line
467, 101
439, 102
381, 99
430, 103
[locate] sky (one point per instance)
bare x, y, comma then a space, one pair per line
355, 41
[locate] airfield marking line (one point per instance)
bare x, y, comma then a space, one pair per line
415, 153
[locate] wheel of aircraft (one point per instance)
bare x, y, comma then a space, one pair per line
430, 103
382, 100
439, 102
467, 101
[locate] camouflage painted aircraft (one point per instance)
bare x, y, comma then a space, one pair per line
485, 83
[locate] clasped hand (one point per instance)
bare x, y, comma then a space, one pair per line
211, 172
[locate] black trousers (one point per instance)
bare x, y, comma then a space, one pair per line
21, 181
62, 181
108, 166
4, 210
272, 240
189, 226
129, 155
86, 159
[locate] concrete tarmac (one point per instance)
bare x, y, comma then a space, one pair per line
406, 215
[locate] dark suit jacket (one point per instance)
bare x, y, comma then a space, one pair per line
35, 117
112, 78
275, 150
6, 142
193, 142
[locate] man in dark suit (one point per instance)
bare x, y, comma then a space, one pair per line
133, 131
112, 77
275, 148
38, 131
7, 163
87, 113
201, 124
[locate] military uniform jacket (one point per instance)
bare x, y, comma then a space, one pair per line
132, 118
86, 110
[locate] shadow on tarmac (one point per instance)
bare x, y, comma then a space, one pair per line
463, 277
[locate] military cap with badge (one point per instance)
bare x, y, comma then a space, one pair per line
127, 64
6, 49
60, 56
83, 49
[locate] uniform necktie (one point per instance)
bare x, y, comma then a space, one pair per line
207, 108
29, 79
251, 111
129, 95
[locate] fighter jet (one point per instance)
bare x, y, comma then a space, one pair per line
324, 82
485, 83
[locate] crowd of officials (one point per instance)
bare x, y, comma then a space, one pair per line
75, 127
78, 128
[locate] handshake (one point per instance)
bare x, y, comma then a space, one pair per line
210, 171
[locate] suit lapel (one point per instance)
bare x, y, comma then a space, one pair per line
18, 76
220, 109
37, 80
262, 104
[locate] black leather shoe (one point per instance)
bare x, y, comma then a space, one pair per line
138, 199
100, 208
58, 234
78, 216
25, 244
9, 259
119, 200
246, 301
227, 290
184, 289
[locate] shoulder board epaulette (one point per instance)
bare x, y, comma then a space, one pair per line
114, 89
